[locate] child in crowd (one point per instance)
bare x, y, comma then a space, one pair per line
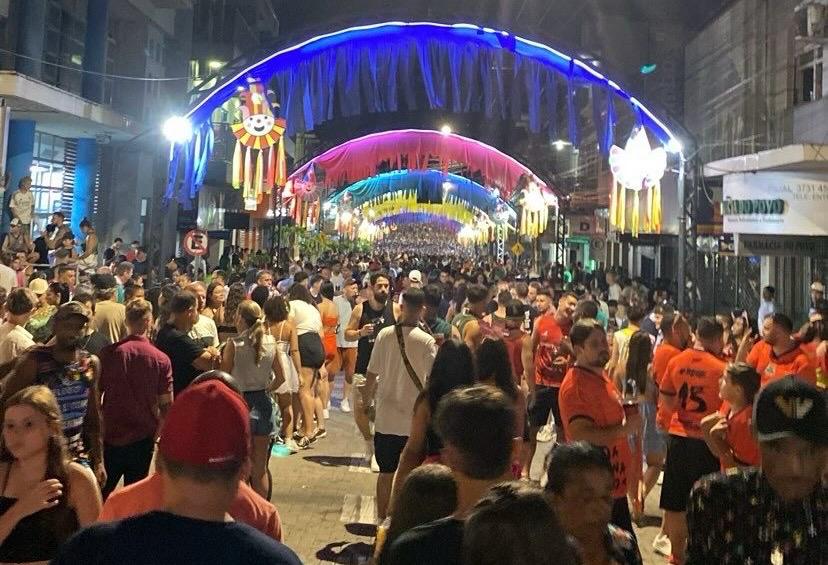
429, 493
728, 431
66, 253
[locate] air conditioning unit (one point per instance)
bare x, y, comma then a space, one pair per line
811, 17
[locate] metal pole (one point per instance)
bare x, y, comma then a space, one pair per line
5, 113
279, 227
682, 228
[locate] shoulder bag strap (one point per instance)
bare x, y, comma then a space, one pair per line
409, 369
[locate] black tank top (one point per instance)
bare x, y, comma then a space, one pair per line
381, 319
37, 537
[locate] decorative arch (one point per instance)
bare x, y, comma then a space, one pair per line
415, 150
377, 68
429, 185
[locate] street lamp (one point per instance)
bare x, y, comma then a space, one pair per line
446, 129
177, 129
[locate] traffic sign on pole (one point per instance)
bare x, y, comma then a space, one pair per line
195, 243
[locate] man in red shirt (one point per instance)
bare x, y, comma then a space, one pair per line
136, 383
591, 410
782, 355
689, 393
545, 361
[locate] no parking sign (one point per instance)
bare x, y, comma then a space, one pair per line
195, 243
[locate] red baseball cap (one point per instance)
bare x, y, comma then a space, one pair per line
208, 425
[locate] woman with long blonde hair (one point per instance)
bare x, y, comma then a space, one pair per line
44, 497
251, 358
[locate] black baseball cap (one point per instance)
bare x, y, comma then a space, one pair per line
790, 407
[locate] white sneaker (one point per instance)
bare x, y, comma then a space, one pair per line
374, 465
326, 413
545, 434
662, 545
345, 406
291, 445
328, 407
369, 449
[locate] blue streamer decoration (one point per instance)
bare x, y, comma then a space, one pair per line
429, 187
385, 67
571, 110
609, 126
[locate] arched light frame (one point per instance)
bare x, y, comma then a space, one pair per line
410, 179
266, 67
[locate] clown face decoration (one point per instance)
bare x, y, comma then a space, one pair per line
259, 127
259, 157
258, 124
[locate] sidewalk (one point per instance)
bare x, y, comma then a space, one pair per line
325, 497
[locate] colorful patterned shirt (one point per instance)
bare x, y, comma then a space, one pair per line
738, 518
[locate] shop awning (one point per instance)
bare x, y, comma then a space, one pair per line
802, 157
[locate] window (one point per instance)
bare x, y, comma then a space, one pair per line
65, 36
142, 225
809, 75
47, 173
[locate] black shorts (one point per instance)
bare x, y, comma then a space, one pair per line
545, 400
311, 350
387, 450
688, 460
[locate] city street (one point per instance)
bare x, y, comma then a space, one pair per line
325, 497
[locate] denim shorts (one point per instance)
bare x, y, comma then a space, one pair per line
261, 412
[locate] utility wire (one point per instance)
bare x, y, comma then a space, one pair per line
104, 75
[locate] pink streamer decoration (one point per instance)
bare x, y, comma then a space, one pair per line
357, 159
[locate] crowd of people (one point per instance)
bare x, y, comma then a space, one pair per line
454, 369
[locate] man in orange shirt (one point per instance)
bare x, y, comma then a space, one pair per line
147, 495
689, 392
676, 335
782, 355
591, 410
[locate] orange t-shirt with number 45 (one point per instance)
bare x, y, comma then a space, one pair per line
692, 377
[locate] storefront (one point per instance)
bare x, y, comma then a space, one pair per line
775, 203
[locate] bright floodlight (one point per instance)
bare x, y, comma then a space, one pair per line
674, 145
177, 129
446, 129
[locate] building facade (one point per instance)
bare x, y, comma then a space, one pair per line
88, 85
87, 82
754, 100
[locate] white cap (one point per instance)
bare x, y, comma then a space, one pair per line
817, 286
415, 276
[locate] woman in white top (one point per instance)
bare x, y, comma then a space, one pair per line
252, 360
308, 323
287, 349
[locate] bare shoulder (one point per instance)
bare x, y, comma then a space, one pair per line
80, 475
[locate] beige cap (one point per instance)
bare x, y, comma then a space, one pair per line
39, 286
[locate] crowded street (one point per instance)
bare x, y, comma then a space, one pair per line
439, 282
